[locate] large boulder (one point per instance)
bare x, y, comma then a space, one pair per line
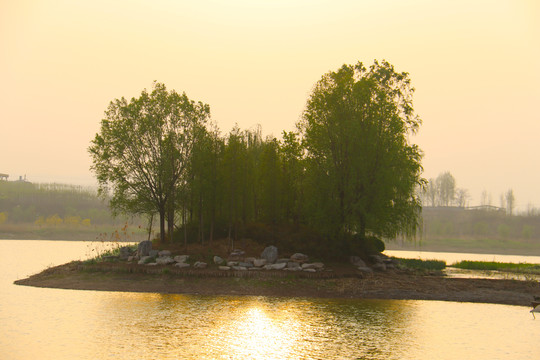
270, 254
144, 248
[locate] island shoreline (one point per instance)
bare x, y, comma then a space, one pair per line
395, 284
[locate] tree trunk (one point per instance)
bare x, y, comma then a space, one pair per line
170, 223
151, 222
162, 224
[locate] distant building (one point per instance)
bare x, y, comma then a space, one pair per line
4, 177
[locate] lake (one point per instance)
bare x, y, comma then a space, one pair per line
68, 324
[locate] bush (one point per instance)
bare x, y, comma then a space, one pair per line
360, 246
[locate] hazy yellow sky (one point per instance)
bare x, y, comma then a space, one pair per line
475, 66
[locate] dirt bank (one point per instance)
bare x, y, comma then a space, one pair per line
386, 285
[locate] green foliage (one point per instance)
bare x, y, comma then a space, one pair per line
476, 224
499, 266
24, 202
349, 170
527, 231
417, 264
503, 230
143, 149
362, 171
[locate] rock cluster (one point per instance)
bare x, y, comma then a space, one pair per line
268, 260
164, 257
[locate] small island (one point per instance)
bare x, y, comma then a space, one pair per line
161, 271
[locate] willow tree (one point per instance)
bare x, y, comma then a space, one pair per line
142, 151
361, 168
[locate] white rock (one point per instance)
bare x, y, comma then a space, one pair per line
232, 263
293, 269
316, 266
259, 262
299, 257
181, 258
239, 268
293, 265
224, 268
310, 270
163, 253
278, 266
166, 260
181, 265
218, 260
199, 265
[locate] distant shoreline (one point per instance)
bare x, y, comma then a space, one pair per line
469, 250
397, 285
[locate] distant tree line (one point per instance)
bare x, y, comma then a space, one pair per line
51, 204
442, 191
476, 223
346, 175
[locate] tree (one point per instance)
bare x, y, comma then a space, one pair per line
143, 148
446, 185
431, 192
361, 167
462, 197
510, 202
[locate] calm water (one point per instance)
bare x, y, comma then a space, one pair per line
67, 324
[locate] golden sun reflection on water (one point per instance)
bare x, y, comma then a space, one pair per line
255, 331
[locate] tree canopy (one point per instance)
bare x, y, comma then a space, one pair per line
362, 167
143, 148
349, 170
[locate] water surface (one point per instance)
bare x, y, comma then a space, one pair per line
67, 324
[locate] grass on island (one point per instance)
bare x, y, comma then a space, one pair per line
499, 266
424, 265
